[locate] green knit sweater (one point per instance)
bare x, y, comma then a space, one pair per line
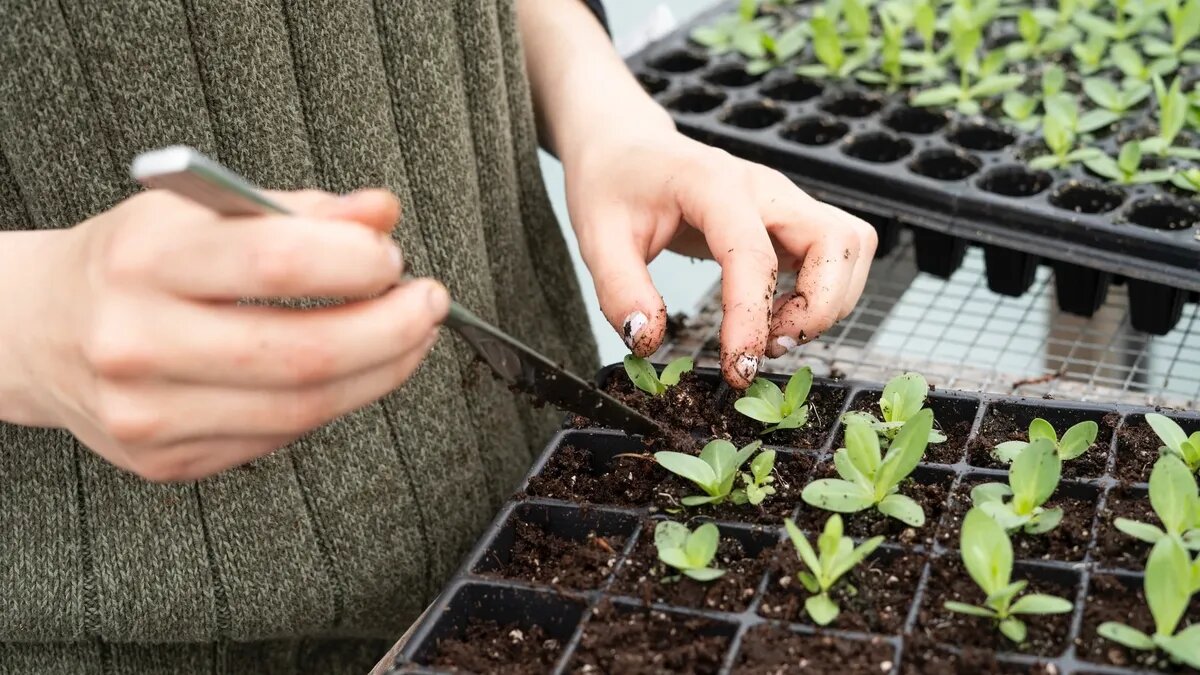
316, 558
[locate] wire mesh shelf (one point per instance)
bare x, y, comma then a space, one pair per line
961, 335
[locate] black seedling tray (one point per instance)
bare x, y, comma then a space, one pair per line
972, 421
952, 179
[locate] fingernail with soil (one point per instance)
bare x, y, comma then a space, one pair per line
786, 342
633, 324
747, 366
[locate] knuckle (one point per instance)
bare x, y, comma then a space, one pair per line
278, 265
113, 351
161, 470
305, 410
125, 421
131, 254
311, 361
761, 257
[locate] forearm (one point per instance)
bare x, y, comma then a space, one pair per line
22, 255
582, 90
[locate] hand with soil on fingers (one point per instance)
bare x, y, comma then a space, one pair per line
133, 339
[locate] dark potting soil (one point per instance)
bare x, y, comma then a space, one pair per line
641, 577
950, 422
1109, 599
873, 597
487, 647
1137, 450
770, 650
1115, 549
645, 642
949, 581
930, 495
1067, 542
923, 657
543, 557
999, 427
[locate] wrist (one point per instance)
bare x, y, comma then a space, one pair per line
613, 126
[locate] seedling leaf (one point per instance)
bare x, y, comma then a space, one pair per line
904, 509
1122, 634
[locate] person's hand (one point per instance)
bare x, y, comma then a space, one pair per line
632, 197
132, 336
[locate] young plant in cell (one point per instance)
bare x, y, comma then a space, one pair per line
758, 481
902, 398
1090, 53
1188, 179
928, 60
691, 553
713, 471
1032, 479
643, 375
1173, 108
1037, 40
837, 60
894, 23
779, 49
1021, 111
869, 480
786, 409
1117, 99
1129, 61
1074, 442
1126, 168
1169, 584
834, 557
978, 80
1129, 18
740, 32
1176, 441
1184, 19
1061, 126
988, 556
1175, 500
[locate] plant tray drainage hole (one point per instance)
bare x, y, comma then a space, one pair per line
795, 90
878, 146
653, 84
979, 136
695, 100
1087, 197
915, 120
815, 130
1015, 181
1163, 214
943, 164
753, 115
731, 75
853, 104
678, 61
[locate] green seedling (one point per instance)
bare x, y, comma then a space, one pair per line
894, 23
1184, 19
1036, 40
1118, 100
786, 409
856, 15
1061, 127
869, 480
978, 80
643, 376
690, 553
988, 556
927, 60
1075, 441
836, 60
1188, 179
1129, 19
1173, 108
1135, 68
1126, 169
902, 399
758, 481
778, 50
1032, 479
1170, 574
1089, 54
713, 471
1176, 441
1174, 497
835, 556
741, 32
1020, 110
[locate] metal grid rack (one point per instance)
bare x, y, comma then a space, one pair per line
961, 335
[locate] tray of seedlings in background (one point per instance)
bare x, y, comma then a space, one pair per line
1062, 134
837, 527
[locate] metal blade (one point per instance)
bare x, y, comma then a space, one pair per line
190, 174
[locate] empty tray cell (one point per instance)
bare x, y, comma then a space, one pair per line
793, 89
731, 75
486, 629
981, 136
953, 415
695, 100
563, 546
1068, 542
949, 581
1120, 598
1155, 308
622, 638
852, 104
874, 597
1014, 180
814, 130
679, 61
743, 554
938, 253
1009, 421
944, 164
1138, 446
753, 115
1086, 197
1161, 213
919, 121
877, 146
1009, 272
1115, 550
598, 468
773, 650
653, 84
928, 486
923, 656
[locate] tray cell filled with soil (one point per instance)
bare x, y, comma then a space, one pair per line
624, 638
1114, 549
1009, 421
1120, 598
953, 415
1138, 445
771, 650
